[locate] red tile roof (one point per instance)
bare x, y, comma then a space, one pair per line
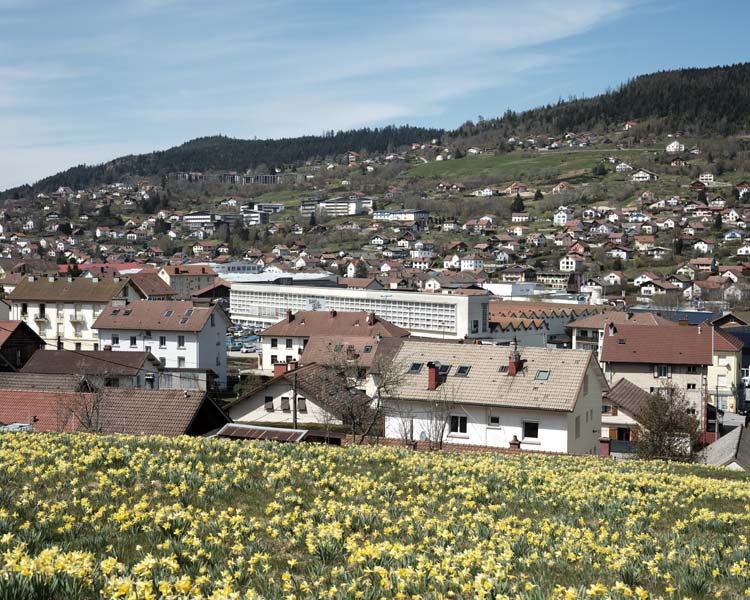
307, 323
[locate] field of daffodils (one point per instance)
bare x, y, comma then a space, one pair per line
84, 516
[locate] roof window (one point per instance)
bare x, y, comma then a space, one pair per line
542, 375
188, 312
367, 349
183, 320
462, 371
169, 313
415, 368
443, 370
115, 312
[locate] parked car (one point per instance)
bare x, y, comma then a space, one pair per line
234, 346
249, 349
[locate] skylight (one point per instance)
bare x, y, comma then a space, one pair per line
188, 312
542, 375
462, 371
183, 320
169, 313
444, 369
126, 312
116, 311
503, 368
415, 368
367, 349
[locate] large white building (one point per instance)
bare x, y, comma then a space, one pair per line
450, 316
181, 334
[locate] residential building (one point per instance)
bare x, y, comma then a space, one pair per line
62, 310
403, 215
644, 175
622, 409
18, 343
185, 280
535, 399
285, 341
675, 147
181, 334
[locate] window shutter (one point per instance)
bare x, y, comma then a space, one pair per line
613, 433
656, 371
669, 371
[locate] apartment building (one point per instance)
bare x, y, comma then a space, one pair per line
62, 310
181, 334
432, 315
185, 280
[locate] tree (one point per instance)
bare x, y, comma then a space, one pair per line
679, 246
517, 205
361, 270
538, 195
668, 429
717, 222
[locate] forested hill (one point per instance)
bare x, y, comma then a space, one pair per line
224, 153
711, 101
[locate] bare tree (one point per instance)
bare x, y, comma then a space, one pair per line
438, 415
86, 408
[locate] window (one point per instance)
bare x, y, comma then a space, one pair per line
181, 362
133, 341
692, 369
458, 424
288, 359
443, 370
115, 339
542, 375
169, 313
474, 326
462, 371
606, 409
183, 321
42, 308
269, 403
147, 349
367, 349
301, 404
78, 346
530, 430
721, 381
493, 421
661, 370
115, 312
24, 309
213, 320
162, 341
180, 341
274, 343
691, 386
288, 342
585, 384
578, 426
503, 368
126, 312
415, 368
111, 382
285, 403
274, 359
96, 346
189, 312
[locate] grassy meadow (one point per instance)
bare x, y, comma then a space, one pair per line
85, 516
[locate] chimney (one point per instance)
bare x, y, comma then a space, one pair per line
50, 278
332, 313
611, 329
628, 316
94, 280
699, 330
515, 364
432, 375
31, 278
515, 443
683, 322
289, 315
279, 369
291, 365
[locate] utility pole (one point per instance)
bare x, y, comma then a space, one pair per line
294, 401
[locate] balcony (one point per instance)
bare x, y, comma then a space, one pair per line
41, 319
77, 318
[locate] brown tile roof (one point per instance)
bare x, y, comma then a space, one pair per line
681, 345
150, 284
618, 317
628, 396
180, 270
485, 384
537, 310
123, 410
87, 362
156, 315
322, 349
60, 289
306, 323
36, 381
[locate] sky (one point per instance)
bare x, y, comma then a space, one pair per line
87, 81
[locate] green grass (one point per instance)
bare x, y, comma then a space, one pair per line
529, 166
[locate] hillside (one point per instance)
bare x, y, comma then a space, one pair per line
84, 516
224, 153
710, 101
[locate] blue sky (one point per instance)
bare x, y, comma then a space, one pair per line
87, 81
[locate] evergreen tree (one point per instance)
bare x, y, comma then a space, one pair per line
361, 269
517, 205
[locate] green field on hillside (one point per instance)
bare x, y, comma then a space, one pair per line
86, 516
529, 166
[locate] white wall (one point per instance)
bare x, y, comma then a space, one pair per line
253, 410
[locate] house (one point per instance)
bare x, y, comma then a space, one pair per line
304, 393
703, 246
182, 334
675, 147
536, 399
285, 341
622, 408
151, 286
101, 368
18, 343
572, 263
700, 361
563, 188
516, 188
560, 218
623, 167
128, 411
471, 262
644, 175
706, 178
522, 217
187, 279
732, 451
62, 310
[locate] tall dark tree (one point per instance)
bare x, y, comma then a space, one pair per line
517, 205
